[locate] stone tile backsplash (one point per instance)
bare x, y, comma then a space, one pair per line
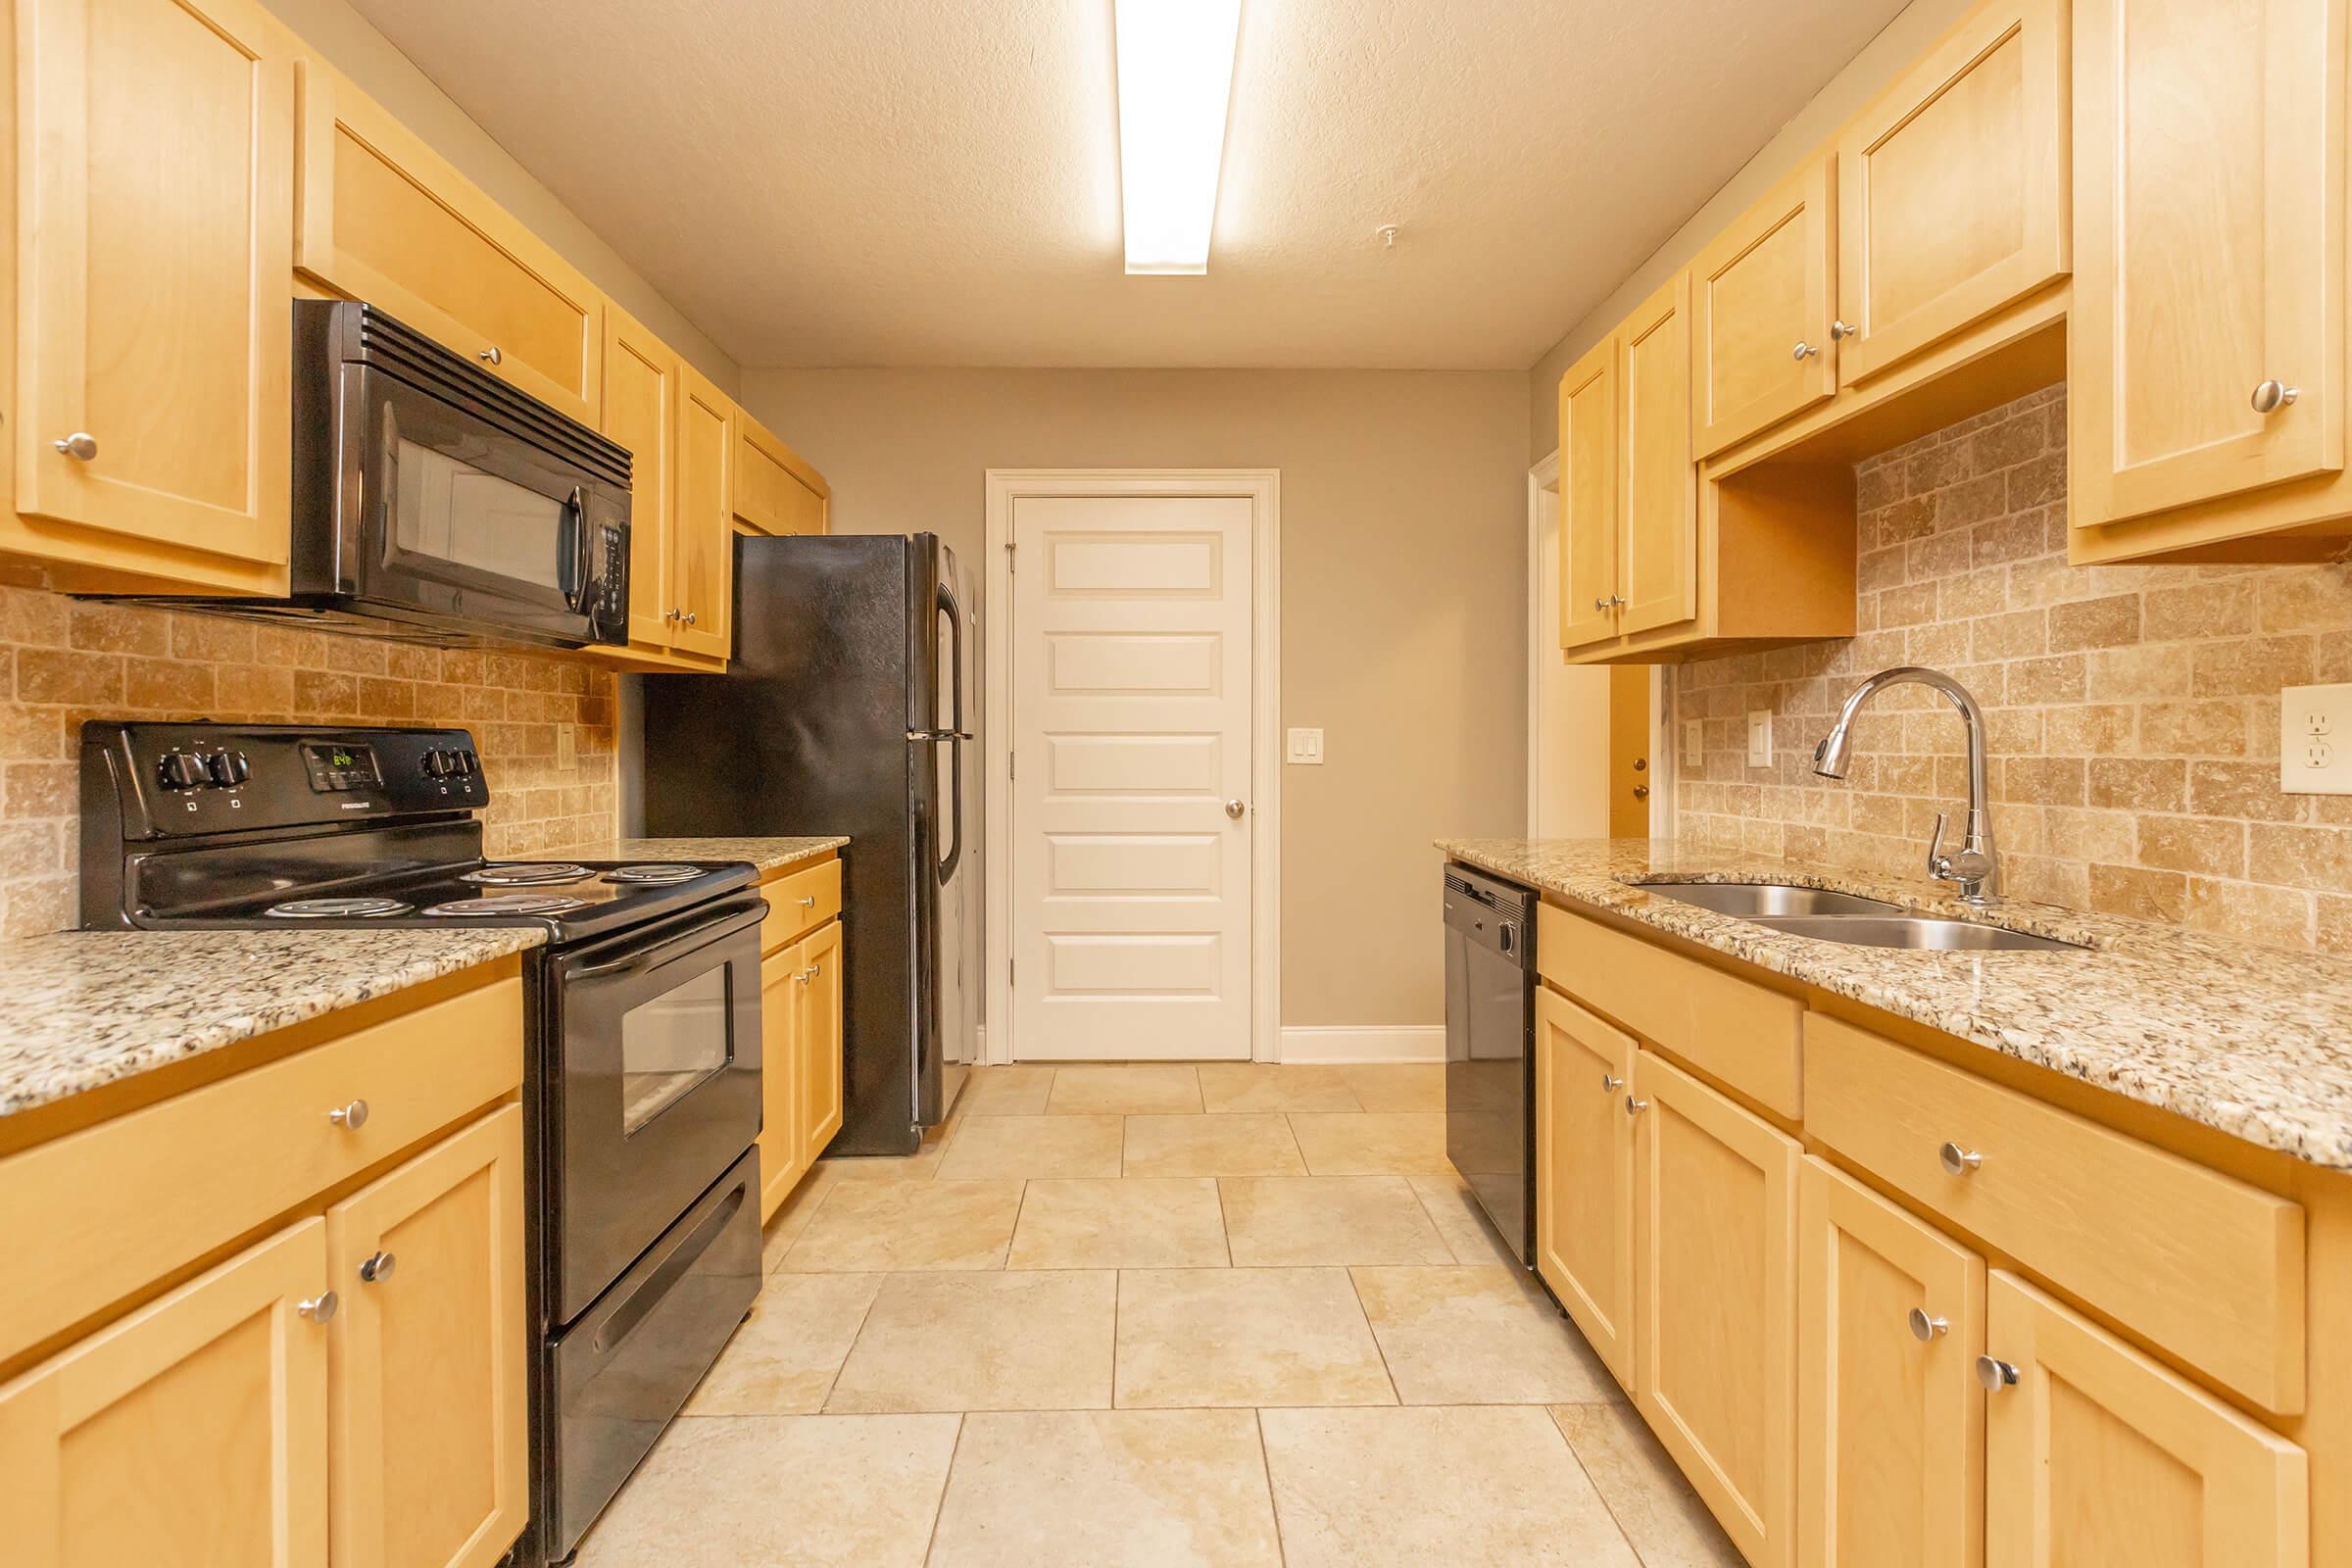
63, 660
2134, 711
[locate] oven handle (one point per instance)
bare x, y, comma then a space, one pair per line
671, 1269
725, 923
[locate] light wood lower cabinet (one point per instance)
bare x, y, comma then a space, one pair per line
781, 1166
799, 1047
192, 1433
819, 1095
1890, 1422
1585, 1174
2095, 1454
427, 1388
1715, 1298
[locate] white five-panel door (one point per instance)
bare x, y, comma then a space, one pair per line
1131, 822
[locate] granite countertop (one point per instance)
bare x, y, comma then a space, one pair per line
769, 855
2254, 1041
91, 1007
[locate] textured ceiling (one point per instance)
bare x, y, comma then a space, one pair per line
837, 183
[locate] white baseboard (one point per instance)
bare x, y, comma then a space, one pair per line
1346, 1043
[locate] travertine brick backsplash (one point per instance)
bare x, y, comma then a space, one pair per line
63, 660
2134, 711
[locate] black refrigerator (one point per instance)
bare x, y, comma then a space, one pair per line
851, 707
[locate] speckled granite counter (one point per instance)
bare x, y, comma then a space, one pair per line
90, 1007
769, 855
2254, 1041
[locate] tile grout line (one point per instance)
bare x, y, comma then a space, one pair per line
1265, 1463
1356, 1292
834, 1381
939, 1510
1599, 1491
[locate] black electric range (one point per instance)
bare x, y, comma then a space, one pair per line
641, 1092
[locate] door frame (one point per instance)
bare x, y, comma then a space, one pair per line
1262, 489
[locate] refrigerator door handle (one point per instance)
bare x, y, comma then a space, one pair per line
954, 614
956, 734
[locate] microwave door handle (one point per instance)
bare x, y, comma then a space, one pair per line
575, 517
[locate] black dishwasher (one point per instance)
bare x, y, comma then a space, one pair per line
1489, 1048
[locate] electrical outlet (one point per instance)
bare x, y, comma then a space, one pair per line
1695, 742
1306, 747
1759, 739
2315, 740
567, 753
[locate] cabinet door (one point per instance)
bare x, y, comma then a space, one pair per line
1585, 1174
780, 1164
702, 543
428, 1391
1588, 498
1890, 1422
192, 1433
1714, 1299
1952, 188
1760, 302
641, 412
2096, 1455
2209, 250
155, 188
1657, 564
770, 496
387, 220
820, 1040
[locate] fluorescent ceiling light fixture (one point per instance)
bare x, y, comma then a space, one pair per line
1175, 80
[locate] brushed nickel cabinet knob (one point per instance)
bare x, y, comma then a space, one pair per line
80, 446
1995, 1374
492, 356
376, 1267
320, 1309
351, 1117
1925, 1328
1958, 1161
2272, 395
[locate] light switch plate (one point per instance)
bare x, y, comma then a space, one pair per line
2315, 740
1759, 738
1695, 742
1306, 747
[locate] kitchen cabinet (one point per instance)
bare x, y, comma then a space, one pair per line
2094, 1454
1588, 498
781, 1166
703, 546
1952, 187
1715, 1300
155, 206
799, 1029
1890, 1422
427, 1388
1585, 1174
775, 491
1658, 534
193, 1431
640, 411
819, 1098
383, 218
1761, 298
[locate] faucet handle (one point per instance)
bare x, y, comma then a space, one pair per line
1938, 865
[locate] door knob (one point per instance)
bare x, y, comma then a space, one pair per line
1640, 792
80, 446
2272, 395
1235, 808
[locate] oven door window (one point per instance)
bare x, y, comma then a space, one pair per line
671, 1043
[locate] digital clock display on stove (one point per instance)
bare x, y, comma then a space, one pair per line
337, 769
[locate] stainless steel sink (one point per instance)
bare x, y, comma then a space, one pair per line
1752, 900
1923, 932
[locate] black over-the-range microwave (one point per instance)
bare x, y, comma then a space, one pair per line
433, 501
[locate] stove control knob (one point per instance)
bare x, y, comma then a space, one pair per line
184, 771
440, 763
468, 763
228, 769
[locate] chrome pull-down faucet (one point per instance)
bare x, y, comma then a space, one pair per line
1976, 868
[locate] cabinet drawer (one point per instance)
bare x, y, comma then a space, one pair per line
2204, 1265
1743, 1034
798, 902
131, 1200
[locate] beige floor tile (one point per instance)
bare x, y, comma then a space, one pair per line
1399, 1143
1294, 1221
1397, 1086
815, 1491
920, 1166
1212, 1145
792, 1217
1652, 1503
1120, 1222
1033, 1340
1477, 1335
1008, 1091
1230, 1086
1107, 1489
878, 1227
1021, 1147
1459, 1219
1241, 1337
1138, 1087
782, 1360
1462, 1485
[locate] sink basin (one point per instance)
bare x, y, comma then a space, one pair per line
1928, 933
1754, 899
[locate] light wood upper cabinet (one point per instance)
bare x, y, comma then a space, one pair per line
702, 543
2209, 251
1952, 187
427, 1389
2096, 1455
780, 1164
193, 1431
155, 203
775, 491
1761, 297
1585, 1174
1657, 544
385, 219
640, 411
1715, 1298
818, 1097
1890, 1422
1589, 497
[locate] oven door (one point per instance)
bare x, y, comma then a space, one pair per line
652, 1087
443, 514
